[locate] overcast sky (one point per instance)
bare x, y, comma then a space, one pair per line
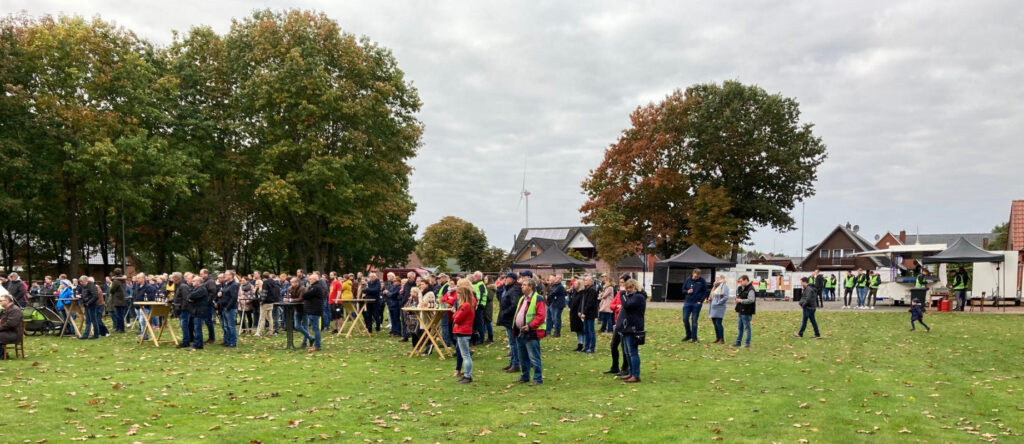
921, 103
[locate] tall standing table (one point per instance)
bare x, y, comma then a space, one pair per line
73, 307
289, 321
162, 310
430, 319
356, 306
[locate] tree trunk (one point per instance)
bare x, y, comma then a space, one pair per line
74, 236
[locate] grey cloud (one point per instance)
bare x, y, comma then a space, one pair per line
919, 103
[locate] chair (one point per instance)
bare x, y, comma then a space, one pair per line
980, 303
19, 348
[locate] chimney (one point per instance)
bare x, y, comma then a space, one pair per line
903, 236
848, 226
984, 243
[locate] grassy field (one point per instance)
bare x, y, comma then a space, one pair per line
869, 380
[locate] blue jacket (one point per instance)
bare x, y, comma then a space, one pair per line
556, 296
717, 308
228, 299
700, 290
394, 297
144, 292
633, 307
372, 291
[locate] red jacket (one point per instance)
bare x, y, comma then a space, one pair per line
616, 305
462, 321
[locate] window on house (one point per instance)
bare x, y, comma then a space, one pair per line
837, 253
823, 254
533, 253
848, 252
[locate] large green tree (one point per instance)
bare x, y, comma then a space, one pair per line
705, 166
452, 237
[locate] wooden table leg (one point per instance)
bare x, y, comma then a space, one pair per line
359, 308
432, 332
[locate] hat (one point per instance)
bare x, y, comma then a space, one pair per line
442, 275
526, 273
512, 275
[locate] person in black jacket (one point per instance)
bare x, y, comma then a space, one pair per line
198, 303
312, 306
809, 303
394, 298
16, 287
181, 307
372, 314
410, 282
119, 299
556, 303
589, 304
508, 297
211, 290
90, 298
634, 307
227, 306
270, 294
746, 306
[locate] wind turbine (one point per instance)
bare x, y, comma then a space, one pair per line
525, 194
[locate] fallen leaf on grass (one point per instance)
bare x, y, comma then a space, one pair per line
484, 432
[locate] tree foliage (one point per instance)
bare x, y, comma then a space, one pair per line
452, 237
284, 143
1002, 232
705, 166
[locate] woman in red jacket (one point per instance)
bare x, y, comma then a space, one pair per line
462, 327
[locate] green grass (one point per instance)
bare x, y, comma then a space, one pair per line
870, 380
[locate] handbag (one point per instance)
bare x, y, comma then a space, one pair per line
641, 337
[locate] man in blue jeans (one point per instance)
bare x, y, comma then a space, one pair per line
530, 315
198, 301
809, 302
179, 303
695, 290
508, 297
227, 304
556, 303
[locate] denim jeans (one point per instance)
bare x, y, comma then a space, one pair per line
530, 350
140, 315
209, 323
91, 324
446, 331
119, 313
299, 321
719, 328
862, 293
197, 331
185, 318
809, 315
278, 318
632, 354
463, 360
554, 320
314, 327
606, 319
227, 324
744, 326
395, 315
327, 316
513, 348
691, 312
961, 298
847, 296
590, 337
101, 326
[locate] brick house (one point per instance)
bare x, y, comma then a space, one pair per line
835, 252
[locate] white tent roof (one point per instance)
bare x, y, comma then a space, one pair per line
905, 250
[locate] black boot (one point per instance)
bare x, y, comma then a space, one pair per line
579, 347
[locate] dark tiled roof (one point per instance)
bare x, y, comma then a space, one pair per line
979, 239
861, 244
562, 243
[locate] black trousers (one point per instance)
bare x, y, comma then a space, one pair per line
616, 347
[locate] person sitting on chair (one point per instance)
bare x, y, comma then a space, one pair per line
10, 322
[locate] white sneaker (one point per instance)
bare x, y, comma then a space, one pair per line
872, 307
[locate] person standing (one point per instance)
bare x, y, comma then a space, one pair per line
575, 308
590, 304
395, 305
462, 322
809, 303
634, 306
211, 291
18, 290
604, 310
616, 343
874, 281
716, 311
830, 287
118, 299
480, 291
227, 305
960, 282
861, 282
695, 290
270, 294
746, 306
89, 299
181, 308
819, 285
848, 289
531, 327
198, 301
371, 315
509, 295
313, 307
556, 303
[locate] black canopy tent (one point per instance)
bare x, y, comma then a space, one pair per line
692, 257
963, 252
553, 259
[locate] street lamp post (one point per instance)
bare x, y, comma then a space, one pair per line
648, 244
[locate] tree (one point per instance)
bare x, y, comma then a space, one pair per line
1002, 232
496, 259
452, 237
704, 166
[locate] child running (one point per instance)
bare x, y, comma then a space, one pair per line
917, 315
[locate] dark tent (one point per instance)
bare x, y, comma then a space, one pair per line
553, 259
693, 257
963, 252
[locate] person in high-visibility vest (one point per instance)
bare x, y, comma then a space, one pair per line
531, 325
874, 281
960, 280
830, 287
762, 288
848, 289
861, 282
